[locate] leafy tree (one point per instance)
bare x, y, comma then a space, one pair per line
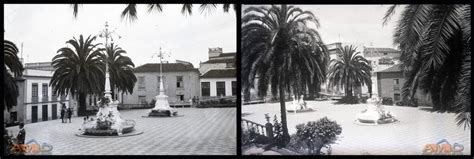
79, 70
436, 56
349, 70
12, 65
122, 77
282, 51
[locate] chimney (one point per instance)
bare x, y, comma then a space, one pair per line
215, 52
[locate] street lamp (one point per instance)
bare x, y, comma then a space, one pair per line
160, 55
106, 33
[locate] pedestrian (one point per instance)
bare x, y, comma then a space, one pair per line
69, 114
21, 134
63, 112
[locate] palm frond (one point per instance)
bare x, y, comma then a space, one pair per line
187, 9
207, 8
389, 14
130, 13
155, 7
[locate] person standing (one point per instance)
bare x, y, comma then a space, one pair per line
69, 114
21, 134
63, 112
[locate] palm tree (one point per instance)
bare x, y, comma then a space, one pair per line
349, 70
434, 41
13, 64
121, 67
130, 11
79, 70
279, 49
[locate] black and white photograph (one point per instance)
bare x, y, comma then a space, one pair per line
120, 79
356, 79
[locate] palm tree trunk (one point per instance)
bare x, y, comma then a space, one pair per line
82, 105
286, 136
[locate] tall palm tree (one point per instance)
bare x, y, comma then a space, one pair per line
279, 49
121, 67
434, 41
79, 70
130, 11
349, 70
12, 65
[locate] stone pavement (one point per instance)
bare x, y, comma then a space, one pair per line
208, 131
416, 128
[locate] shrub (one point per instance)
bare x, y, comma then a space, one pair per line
315, 135
387, 101
248, 136
349, 100
152, 102
407, 102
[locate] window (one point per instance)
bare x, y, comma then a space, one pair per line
384, 53
142, 99
34, 92
396, 97
234, 88
90, 100
179, 81
206, 89
95, 100
45, 90
396, 84
141, 83
180, 97
220, 88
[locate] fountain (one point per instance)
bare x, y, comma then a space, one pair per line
162, 107
374, 114
108, 121
298, 105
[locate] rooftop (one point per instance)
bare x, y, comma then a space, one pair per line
226, 60
394, 68
380, 50
221, 73
167, 67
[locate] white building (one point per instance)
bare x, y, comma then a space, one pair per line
180, 82
218, 74
36, 101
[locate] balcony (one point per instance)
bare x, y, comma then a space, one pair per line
44, 99
34, 99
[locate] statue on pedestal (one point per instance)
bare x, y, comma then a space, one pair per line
375, 112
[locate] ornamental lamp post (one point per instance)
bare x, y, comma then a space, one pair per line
106, 33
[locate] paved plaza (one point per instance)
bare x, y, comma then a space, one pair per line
209, 131
417, 127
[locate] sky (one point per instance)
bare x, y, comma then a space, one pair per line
357, 24
44, 28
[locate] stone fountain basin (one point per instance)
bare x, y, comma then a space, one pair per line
162, 113
127, 127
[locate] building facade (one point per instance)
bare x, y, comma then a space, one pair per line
390, 82
180, 81
37, 101
218, 75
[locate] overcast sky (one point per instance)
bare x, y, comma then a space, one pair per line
44, 28
358, 24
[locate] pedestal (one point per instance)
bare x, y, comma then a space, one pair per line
162, 107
